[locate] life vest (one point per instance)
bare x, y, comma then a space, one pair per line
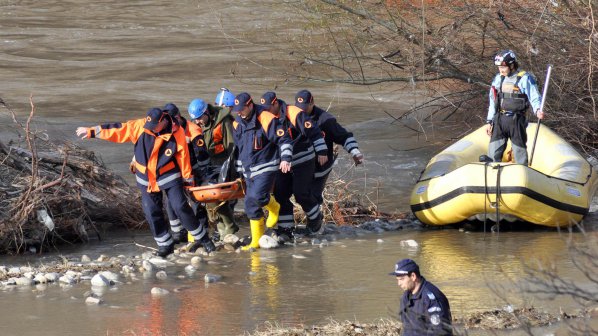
217, 137
510, 96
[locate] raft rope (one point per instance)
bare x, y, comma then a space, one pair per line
499, 167
486, 196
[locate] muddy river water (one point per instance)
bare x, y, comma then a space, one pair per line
87, 62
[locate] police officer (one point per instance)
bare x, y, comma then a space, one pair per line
333, 133
307, 142
264, 147
162, 164
511, 93
424, 308
200, 160
216, 124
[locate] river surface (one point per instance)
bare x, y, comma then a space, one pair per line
87, 62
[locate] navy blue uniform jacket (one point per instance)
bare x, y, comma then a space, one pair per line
262, 143
425, 313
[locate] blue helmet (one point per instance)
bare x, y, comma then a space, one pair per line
225, 98
197, 108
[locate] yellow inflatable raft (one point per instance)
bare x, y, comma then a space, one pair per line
555, 191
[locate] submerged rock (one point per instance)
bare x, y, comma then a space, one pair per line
110, 276
147, 266
24, 281
409, 243
157, 291
93, 300
99, 280
196, 261
210, 278
230, 239
161, 275
40, 278
267, 242
159, 262
52, 277
14, 271
68, 280
127, 270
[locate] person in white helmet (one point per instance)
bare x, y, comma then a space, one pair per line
512, 92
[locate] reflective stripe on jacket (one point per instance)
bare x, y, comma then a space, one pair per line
333, 133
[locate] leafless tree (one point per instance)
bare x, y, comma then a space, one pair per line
444, 50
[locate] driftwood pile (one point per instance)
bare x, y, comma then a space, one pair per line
343, 205
57, 193
346, 204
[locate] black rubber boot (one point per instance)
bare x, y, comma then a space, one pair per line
205, 242
164, 251
180, 237
285, 234
315, 226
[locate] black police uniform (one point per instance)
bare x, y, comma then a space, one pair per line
425, 313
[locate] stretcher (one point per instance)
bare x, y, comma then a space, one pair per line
215, 193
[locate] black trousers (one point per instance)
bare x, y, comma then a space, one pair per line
297, 182
509, 127
152, 203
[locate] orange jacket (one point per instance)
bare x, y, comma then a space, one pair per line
161, 160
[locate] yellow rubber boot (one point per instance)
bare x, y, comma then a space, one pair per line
257, 231
273, 208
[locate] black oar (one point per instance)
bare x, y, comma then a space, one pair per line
541, 109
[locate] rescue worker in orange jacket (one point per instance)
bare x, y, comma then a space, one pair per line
307, 142
162, 163
200, 161
217, 124
264, 147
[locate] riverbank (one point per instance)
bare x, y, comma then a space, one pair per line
506, 318
94, 280
298, 287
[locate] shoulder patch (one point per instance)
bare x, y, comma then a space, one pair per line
431, 296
